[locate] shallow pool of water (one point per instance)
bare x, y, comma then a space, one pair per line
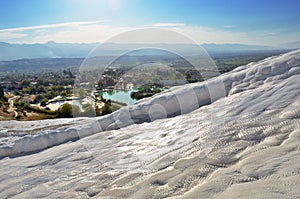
119, 96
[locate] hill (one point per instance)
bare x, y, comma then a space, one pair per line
73, 50
234, 136
291, 45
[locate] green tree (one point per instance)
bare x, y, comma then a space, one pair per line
65, 110
40, 89
64, 94
38, 98
1, 93
44, 102
32, 90
25, 82
106, 109
49, 94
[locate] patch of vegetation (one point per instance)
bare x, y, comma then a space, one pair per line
44, 102
38, 110
147, 90
21, 105
107, 109
2, 97
65, 111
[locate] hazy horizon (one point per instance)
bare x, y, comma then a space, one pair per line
163, 43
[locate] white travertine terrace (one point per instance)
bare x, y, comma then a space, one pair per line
241, 141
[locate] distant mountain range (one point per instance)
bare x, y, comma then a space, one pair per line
291, 45
47, 50
74, 50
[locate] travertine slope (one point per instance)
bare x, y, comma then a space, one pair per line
244, 143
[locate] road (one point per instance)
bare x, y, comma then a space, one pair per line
12, 108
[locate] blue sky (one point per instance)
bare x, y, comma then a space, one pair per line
263, 22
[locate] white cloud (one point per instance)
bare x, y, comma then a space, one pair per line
51, 26
80, 34
11, 35
95, 31
168, 24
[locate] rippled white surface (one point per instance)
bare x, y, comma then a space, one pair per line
243, 145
